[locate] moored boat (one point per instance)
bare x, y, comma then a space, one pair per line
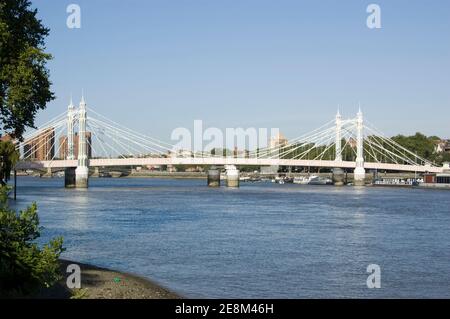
316, 180
312, 180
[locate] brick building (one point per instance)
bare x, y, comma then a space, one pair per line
41, 147
64, 150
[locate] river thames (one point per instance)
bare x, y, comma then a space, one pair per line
262, 240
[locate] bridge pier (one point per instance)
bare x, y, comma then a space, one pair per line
338, 176
232, 176
82, 177
213, 176
359, 176
69, 177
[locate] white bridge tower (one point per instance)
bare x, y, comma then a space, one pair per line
338, 173
82, 171
359, 172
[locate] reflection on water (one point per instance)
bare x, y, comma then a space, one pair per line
262, 240
78, 217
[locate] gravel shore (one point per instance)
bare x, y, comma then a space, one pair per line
101, 283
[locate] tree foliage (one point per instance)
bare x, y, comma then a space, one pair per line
444, 158
8, 158
419, 144
24, 78
24, 266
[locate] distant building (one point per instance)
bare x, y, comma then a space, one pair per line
443, 146
278, 140
6, 138
41, 147
64, 149
352, 142
447, 146
443, 178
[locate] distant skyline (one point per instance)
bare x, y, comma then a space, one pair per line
158, 65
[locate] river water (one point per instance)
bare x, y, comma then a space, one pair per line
262, 240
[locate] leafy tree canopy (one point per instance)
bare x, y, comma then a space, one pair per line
24, 78
419, 144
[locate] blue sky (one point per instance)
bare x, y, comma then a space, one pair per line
158, 65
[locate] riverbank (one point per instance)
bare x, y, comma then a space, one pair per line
102, 283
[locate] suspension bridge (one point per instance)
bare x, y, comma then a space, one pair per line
102, 142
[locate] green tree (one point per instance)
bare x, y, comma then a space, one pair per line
8, 158
419, 144
24, 78
24, 266
442, 158
445, 158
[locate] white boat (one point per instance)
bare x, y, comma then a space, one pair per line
301, 180
60, 174
316, 180
312, 180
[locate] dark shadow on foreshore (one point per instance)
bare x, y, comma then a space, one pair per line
102, 283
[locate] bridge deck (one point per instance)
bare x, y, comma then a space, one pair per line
224, 161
